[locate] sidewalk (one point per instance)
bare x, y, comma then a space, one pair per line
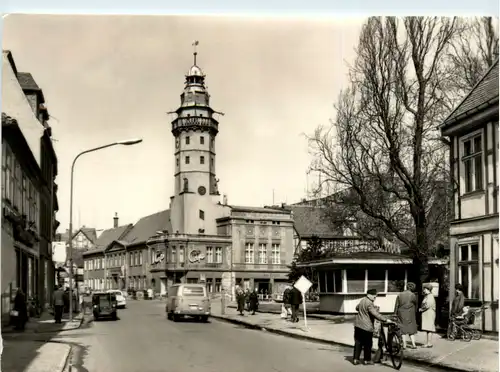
34, 356
46, 323
474, 356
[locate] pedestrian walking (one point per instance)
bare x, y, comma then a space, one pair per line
240, 299
406, 311
428, 311
21, 308
364, 327
287, 309
295, 301
254, 301
247, 299
59, 303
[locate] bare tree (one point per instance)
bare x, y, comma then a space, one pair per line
383, 146
474, 51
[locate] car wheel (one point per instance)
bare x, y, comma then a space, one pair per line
169, 316
175, 317
204, 319
114, 316
96, 318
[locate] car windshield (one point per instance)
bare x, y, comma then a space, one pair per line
193, 291
102, 300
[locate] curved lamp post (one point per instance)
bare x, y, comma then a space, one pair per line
70, 243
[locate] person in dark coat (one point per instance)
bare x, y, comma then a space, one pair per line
406, 311
247, 299
295, 301
286, 300
22, 310
240, 299
254, 301
364, 327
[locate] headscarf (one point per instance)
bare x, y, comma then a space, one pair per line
411, 286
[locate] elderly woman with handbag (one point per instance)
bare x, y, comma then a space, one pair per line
20, 310
428, 311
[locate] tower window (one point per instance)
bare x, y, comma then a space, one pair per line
202, 140
187, 159
202, 215
177, 161
202, 160
187, 140
212, 161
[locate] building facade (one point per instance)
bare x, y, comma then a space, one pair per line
29, 192
472, 129
199, 238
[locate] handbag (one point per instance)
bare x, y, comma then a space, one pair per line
376, 328
14, 313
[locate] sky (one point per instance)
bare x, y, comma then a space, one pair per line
111, 78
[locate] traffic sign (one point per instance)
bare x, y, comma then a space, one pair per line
303, 284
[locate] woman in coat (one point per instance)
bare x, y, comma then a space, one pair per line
22, 310
428, 311
240, 299
254, 301
406, 311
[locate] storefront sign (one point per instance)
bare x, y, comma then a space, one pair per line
195, 256
159, 258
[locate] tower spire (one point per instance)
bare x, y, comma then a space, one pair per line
195, 53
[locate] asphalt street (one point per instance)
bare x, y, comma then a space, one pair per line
143, 340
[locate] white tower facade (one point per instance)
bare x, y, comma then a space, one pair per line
194, 205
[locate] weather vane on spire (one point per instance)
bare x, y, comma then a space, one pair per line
195, 53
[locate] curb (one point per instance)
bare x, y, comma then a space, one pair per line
78, 321
328, 342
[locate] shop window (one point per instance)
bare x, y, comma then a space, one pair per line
396, 279
356, 281
376, 278
468, 269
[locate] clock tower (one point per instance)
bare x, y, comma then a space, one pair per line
194, 206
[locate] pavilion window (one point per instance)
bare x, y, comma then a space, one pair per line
396, 279
356, 281
377, 278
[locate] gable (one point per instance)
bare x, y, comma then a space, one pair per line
115, 247
81, 237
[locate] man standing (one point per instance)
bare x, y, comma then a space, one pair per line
295, 301
58, 304
364, 327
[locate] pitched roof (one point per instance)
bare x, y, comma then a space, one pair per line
27, 81
485, 92
309, 220
148, 226
89, 232
110, 235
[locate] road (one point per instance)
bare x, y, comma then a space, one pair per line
143, 340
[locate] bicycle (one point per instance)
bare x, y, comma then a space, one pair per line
393, 344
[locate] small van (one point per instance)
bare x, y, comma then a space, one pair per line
188, 300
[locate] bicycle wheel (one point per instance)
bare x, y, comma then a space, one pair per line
466, 335
476, 334
451, 333
395, 347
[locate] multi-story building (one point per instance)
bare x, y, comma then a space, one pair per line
472, 129
29, 202
199, 238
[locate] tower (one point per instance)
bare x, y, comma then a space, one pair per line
194, 204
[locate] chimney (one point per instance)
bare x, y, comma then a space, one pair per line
115, 220
224, 200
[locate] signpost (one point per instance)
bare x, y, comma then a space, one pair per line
303, 285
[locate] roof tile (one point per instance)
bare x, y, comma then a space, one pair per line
147, 226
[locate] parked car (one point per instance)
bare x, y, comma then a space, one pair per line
188, 300
120, 298
104, 305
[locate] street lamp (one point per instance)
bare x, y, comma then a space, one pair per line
70, 243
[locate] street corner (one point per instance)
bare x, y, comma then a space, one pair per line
34, 356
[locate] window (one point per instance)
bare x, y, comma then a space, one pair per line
275, 254
181, 254
218, 254
218, 285
249, 253
187, 140
355, 281
187, 159
177, 161
210, 255
468, 269
473, 163
330, 281
140, 257
212, 162
202, 140
210, 286
396, 279
262, 254
25, 196
174, 254
202, 215
7, 170
202, 160
376, 278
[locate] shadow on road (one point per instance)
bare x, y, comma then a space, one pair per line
17, 356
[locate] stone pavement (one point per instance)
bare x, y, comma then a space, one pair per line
34, 356
474, 356
46, 323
